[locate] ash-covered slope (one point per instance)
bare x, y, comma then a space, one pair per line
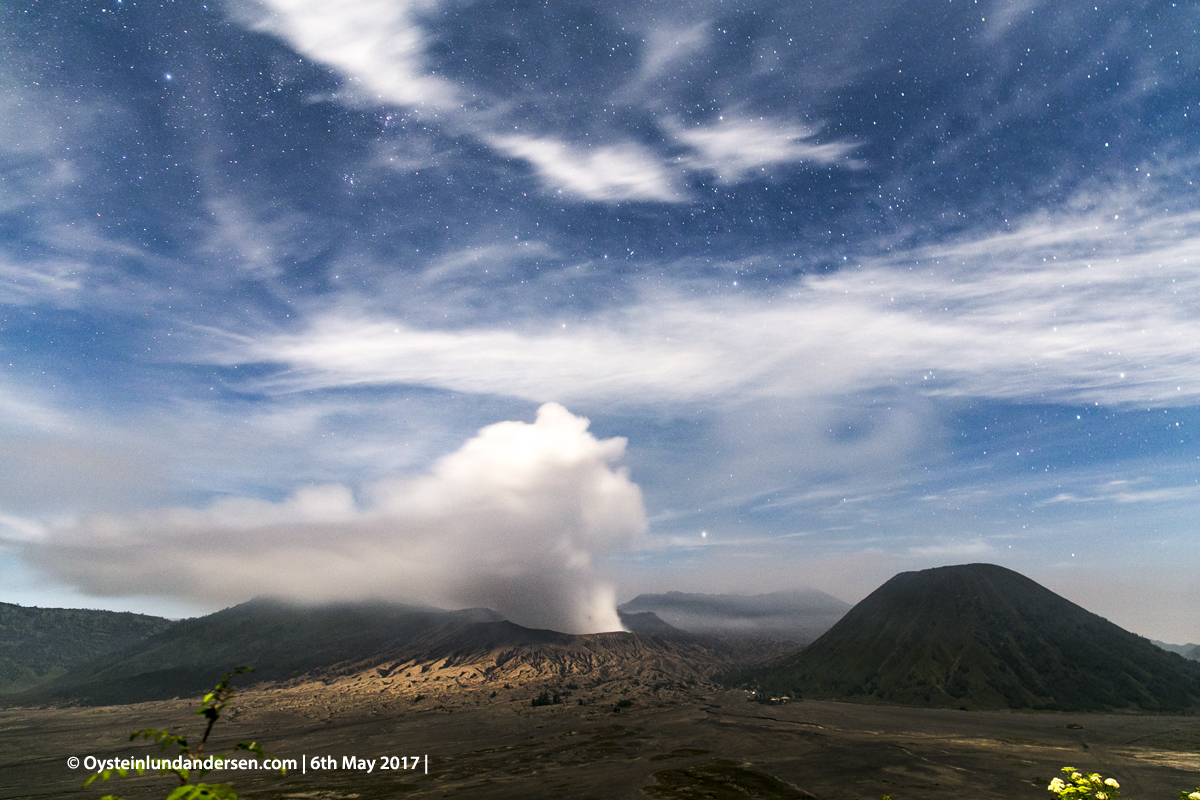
798, 616
38, 645
499, 656
371, 646
982, 636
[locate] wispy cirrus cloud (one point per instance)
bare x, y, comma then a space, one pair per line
1125, 492
56, 281
666, 45
380, 46
27, 411
612, 172
1081, 308
381, 49
735, 148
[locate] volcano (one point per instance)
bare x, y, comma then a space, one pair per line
380, 648
979, 636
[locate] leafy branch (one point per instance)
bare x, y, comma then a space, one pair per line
190, 767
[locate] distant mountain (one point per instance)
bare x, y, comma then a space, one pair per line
373, 647
981, 636
644, 622
798, 616
1189, 651
38, 645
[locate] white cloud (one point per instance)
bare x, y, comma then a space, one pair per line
668, 45
734, 149
1076, 310
20, 529
39, 166
55, 281
625, 171
238, 238
954, 550
511, 520
473, 260
27, 411
1002, 18
1121, 492
377, 42
380, 47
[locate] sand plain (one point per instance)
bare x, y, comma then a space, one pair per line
709, 744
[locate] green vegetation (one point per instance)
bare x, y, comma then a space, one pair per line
1095, 786
1078, 786
547, 699
188, 766
38, 645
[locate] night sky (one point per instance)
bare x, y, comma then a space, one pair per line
807, 294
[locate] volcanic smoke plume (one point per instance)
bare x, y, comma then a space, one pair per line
512, 520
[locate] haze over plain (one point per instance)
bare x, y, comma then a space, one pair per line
321, 298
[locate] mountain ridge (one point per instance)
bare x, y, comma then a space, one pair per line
38, 645
1190, 651
981, 636
799, 615
374, 648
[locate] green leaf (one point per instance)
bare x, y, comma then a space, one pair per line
253, 747
164, 738
212, 705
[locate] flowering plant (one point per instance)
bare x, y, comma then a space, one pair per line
1078, 786
1090, 787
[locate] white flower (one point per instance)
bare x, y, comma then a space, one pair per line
1112, 782
1194, 796
1101, 796
1056, 785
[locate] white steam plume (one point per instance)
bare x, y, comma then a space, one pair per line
511, 520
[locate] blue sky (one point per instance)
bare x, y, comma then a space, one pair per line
840, 289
